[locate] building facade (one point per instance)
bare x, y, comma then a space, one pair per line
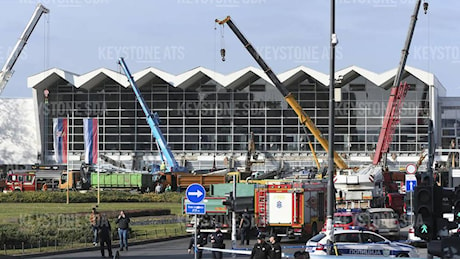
207, 117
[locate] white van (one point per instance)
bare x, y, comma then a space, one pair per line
386, 222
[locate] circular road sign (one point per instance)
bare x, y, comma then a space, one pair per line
195, 193
411, 168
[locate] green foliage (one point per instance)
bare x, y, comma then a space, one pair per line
88, 197
47, 217
60, 227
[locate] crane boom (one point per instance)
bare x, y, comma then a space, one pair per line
397, 95
154, 122
303, 117
7, 70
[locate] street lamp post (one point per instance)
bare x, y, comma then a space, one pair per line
44, 159
330, 167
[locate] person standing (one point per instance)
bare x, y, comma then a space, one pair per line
261, 249
123, 225
93, 219
201, 240
217, 241
104, 235
275, 251
245, 226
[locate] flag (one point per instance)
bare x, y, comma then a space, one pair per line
90, 130
60, 134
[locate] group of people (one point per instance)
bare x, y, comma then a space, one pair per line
216, 239
261, 250
264, 250
101, 230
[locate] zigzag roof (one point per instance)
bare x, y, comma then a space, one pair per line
239, 78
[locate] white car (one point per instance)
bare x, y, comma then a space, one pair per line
360, 243
385, 221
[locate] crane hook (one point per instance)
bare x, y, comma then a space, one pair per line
425, 6
222, 54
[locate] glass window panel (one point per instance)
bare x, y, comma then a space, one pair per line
192, 138
224, 130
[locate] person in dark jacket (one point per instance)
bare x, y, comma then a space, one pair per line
245, 226
201, 240
217, 241
275, 251
104, 231
123, 226
261, 249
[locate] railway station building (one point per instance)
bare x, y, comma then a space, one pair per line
207, 117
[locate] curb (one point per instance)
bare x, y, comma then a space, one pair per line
93, 248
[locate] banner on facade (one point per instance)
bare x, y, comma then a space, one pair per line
90, 130
60, 136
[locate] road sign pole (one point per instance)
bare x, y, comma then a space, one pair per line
195, 249
411, 209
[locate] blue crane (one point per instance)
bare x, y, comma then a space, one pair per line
154, 122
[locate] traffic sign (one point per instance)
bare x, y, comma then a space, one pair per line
411, 168
411, 182
195, 193
195, 208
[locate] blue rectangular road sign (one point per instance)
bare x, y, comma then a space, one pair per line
195, 208
410, 185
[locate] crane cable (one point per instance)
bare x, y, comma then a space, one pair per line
222, 43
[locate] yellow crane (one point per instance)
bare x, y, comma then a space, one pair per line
289, 97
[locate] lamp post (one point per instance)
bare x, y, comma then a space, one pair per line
44, 159
330, 167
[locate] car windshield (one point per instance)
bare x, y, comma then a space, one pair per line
342, 219
318, 237
384, 215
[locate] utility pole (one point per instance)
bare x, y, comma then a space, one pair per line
234, 216
330, 167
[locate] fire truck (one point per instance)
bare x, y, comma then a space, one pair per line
290, 208
23, 181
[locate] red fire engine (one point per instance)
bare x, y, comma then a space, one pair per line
22, 181
291, 209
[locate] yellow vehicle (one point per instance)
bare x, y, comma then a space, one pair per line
73, 180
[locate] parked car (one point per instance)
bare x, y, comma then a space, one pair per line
360, 243
351, 219
386, 222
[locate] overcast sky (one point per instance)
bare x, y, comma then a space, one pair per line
179, 35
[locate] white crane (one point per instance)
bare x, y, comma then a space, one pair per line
7, 70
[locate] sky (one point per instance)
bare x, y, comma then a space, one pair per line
179, 35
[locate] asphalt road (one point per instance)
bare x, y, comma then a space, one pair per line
169, 249
174, 249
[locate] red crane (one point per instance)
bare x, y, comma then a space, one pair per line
397, 95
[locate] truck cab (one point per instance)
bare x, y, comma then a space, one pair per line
73, 180
22, 181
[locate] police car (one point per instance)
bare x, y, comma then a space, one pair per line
360, 243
